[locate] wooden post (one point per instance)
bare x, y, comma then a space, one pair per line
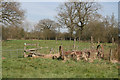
61, 41
70, 39
92, 45
98, 41
37, 46
24, 46
110, 55
25, 49
91, 39
61, 52
79, 39
56, 40
113, 41
74, 42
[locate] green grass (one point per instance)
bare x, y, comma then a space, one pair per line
48, 68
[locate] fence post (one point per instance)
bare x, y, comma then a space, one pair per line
74, 42
56, 40
92, 45
79, 39
61, 41
113, 41
37, 46
110, 55
98, 41
91, 39
70, 39
61, 52
24, 48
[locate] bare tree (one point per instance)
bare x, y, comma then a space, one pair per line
66, 16
111, 26
75, 15
47, 27
11, 13
46, 24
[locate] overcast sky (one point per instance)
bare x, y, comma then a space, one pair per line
36, 11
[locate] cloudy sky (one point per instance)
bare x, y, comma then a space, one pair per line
36, 11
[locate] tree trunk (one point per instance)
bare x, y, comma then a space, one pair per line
71, 33
80, 35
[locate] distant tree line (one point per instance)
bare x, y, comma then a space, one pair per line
80, 18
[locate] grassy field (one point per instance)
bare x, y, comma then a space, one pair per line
19, 67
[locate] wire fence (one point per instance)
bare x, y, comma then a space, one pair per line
16, 53
45, 47
19, 53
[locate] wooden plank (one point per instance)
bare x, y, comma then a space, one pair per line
31, 44
28, 50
